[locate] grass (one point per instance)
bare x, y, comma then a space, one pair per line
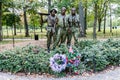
115, 34
21, 35
5, 42
9, 41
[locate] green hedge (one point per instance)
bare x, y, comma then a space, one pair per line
98, 55
95, 55
31, 59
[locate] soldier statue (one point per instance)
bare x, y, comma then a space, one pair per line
52, 20
62, 25
73, 27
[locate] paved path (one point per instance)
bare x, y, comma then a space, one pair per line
109, 75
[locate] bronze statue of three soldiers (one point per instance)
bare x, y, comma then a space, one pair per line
62, 27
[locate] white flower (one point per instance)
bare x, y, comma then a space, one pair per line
55, 66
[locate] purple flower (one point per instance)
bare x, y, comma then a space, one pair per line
55, 66
76, 62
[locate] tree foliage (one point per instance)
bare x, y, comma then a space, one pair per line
33, 6
10, 19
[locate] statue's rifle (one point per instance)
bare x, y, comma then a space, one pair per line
41, 17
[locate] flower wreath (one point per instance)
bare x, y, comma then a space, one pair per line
73, 57
58, 62
73, 60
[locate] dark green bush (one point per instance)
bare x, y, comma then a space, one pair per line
101, 54
95, 55
31, 59
85, 43
94, 59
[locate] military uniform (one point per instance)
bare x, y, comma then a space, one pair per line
51, 33
62, 26
73, 28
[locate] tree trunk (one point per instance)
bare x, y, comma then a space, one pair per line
110, 20
99, 25
14, 25
95, 22
85, 16
41, 23
7, 31
25, 23
49, 5
34, 28
15, 33
105, 21
82, 21
1, 36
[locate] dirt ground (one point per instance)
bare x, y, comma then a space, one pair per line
41, 43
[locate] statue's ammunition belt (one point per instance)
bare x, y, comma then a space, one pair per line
50, 25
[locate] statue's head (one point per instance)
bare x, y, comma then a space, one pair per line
63, 10
53, 12
73, 11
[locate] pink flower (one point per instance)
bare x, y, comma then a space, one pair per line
71, 61
76, 73
70, 49
66, 59
78, 56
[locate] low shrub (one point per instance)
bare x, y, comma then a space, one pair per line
94, 56
101, 54
29, 59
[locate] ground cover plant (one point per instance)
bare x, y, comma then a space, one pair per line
88, 55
